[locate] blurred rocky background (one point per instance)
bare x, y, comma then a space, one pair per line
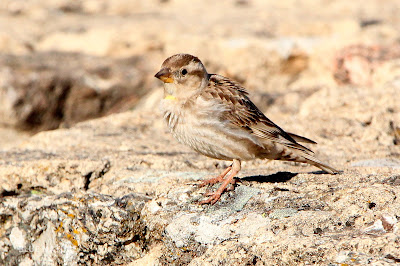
120, 190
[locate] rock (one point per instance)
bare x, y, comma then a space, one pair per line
72, 228
119, 190
282, 213
17, 238
393, 163
356, 64
39, 93
12, 136
383, 225
95, 187
279, 208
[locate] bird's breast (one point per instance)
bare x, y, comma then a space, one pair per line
204, 130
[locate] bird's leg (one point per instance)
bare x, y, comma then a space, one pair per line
217, 179
214, 197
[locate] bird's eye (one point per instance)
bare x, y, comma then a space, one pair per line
184, 72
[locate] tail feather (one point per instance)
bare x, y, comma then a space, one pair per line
302, 156
298, 138
314, 161
295, 152
327, 168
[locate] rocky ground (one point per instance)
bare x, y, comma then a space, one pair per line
120, 190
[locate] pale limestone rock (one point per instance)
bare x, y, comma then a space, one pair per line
120, 190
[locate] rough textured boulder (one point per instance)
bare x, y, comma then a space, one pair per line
45, 90
119, 190
72, 228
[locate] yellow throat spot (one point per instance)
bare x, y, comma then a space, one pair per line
169, 97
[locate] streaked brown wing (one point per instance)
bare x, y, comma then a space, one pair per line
298, 138
242, 112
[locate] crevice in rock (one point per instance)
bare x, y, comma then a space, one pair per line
87, 180
10, 193
135, 238
4, 218
66, 86
391, 257
6, 193
106, 168
89, 177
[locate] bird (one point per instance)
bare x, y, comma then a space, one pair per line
214, 115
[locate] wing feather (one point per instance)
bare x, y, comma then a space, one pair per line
242, 112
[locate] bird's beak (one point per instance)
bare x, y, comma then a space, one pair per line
165, 75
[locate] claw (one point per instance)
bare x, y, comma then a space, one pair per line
212, 198
217, 179
231, 186
215, 196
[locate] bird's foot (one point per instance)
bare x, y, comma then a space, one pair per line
211, 181
218, 179
212, 198
215, 196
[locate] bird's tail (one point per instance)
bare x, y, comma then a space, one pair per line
310, 159
303, 156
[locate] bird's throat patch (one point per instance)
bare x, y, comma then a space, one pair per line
169, 97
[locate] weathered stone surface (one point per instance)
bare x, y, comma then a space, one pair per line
357, 64
72, 228
45, 90
120, 190
292, 216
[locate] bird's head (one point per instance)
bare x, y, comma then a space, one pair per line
183, 75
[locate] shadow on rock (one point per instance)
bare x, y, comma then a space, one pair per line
279, 177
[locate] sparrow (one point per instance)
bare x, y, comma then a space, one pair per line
214, 116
